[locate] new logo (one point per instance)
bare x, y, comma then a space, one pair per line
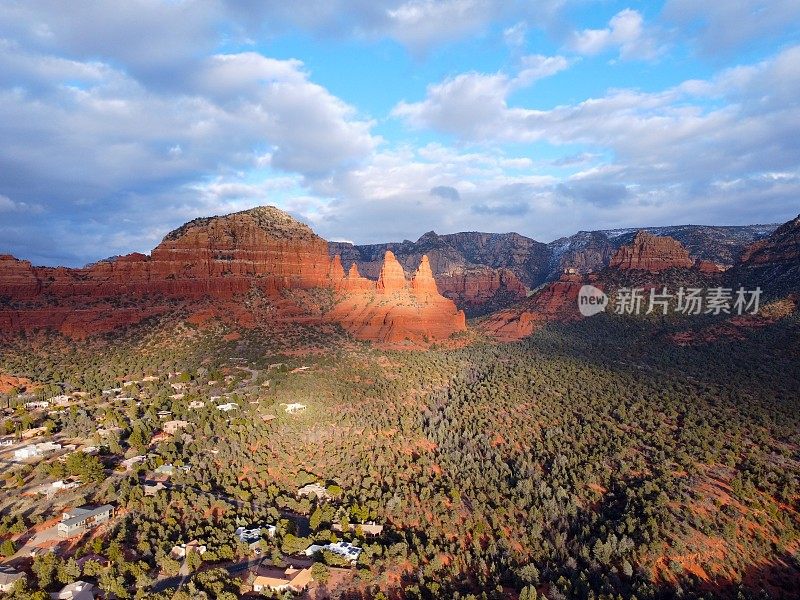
591, 300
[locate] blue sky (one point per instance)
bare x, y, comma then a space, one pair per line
381, 120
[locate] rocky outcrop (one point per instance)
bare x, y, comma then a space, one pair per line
556, 301
221, 259
395, 310
773, 264
652, 253
482, 272
482, 289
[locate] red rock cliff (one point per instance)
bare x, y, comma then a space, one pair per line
651, 253
556, 301
214, 259
396, 310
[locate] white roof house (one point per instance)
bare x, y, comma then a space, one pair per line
78, 590
295, 407
228, 406
37, 404
80, 519
254, 534
344, 549
35, 450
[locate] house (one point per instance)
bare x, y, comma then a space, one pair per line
37, 405
168, 470
152, 490
161, 436
254, 534
228, 406
79, 520
314, 489
34, 432
368, 529
61, 400
164, 414
78, 590
6, 441
177, 396
64, 485
180, 386
129, 462
9, 576
172, 427
295, 407
34, 450
91, 450
280, 580
344, 549
184, 549
196, 404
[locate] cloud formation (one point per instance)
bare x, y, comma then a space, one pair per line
625, 31
121, 122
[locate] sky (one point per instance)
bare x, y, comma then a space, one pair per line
377, 121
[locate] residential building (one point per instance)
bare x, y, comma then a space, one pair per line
173, 427
101, 560
280, 580
344, 549
34, 450
64, 485
314, 489
181, 551
295, 407
196, 404
37, 405
78, 590
368, 529
168, 469
152, 490
129, 462
61, 400
34, 432
254, 534
79, 520
9, 576
228, 406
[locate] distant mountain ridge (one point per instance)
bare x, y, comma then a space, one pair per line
482, 272
654, 261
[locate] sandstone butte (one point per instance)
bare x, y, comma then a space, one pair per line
218, 260
651, 253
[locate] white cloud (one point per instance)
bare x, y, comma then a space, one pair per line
626, 31
7, 205
472, 105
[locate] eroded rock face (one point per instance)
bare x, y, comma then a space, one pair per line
217, 258
556, 301
396, 310
651, 253
772, 264
479, 290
